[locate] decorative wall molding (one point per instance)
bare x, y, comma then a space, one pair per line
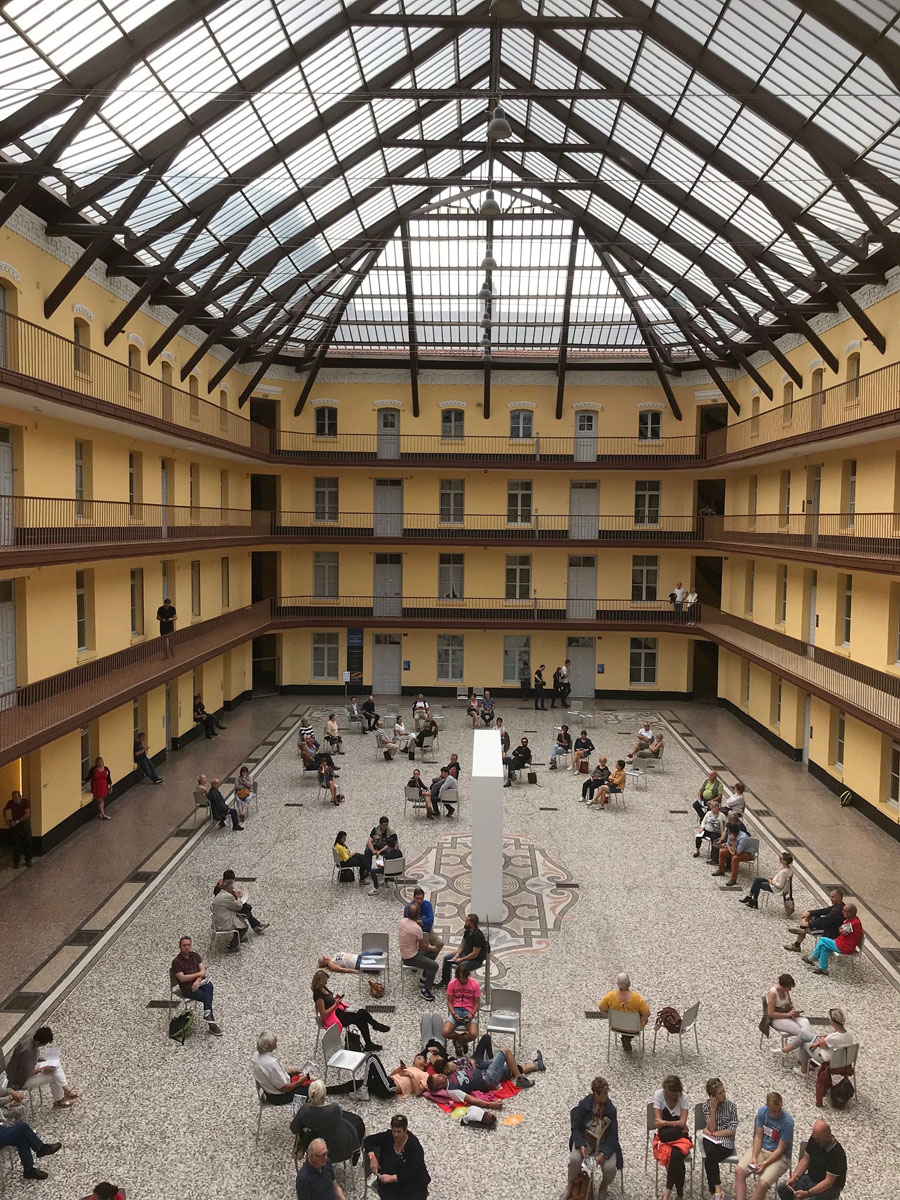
8, 269
852, 346
756, 392
136, 339
324, 402
167, 356
714, 396
651, 405
581, 405
81, 310
513, 404
453, 404
815, 363
398, 404
266, 389
224, 387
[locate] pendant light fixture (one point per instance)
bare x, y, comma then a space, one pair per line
489, 206
498, 127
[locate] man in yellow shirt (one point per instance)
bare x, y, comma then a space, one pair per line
623, 999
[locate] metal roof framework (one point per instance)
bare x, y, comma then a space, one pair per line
301, 180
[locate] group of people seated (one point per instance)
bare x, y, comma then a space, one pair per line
314, 758
34, 1063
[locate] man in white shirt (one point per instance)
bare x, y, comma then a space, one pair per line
644, 739
278, 1084
414, 950
421, 712
678, 594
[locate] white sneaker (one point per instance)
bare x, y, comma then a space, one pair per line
370, 891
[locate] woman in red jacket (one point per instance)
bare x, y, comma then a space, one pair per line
100, 782
848, 939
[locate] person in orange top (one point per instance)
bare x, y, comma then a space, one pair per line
623, 999
615, 784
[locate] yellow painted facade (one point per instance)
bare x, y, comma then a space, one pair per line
68, 454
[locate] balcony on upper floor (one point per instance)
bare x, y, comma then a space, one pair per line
37, 362
864, 541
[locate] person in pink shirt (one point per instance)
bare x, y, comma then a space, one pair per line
849, 936
463, 1003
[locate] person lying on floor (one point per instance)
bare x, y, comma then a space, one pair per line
485, 1070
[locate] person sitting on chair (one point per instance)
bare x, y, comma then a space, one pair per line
583, 748
426, 920
710, 789
279, 1086
369, 713
228, 881
721, 1117
614, 786
354, 713
219, 810
594, 1140
401, 733
597, 778
487, 708
375, 843
849, 937
21, 1137
770, 1155
210, 723
349, 858
341, 1130
652, 751
28, 1068
671, 1143
227, 914
623, 999
644, 738
821, 1169
331, 1010
421, 713
444, 790
818, 921
189, 972
315, 1179
384, 743
430, 730
473, 949
735, 851
711, 827
463, 1004
332, 734
517, 761
819, 1052
414, 949
562, 745
391, 850
778, 884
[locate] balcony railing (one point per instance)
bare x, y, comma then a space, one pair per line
862, 534
479, 610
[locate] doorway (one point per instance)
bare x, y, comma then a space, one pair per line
388, 504
586, 436
807, 716
812, 616
264, 492
387, 665
264, 411
387, 585
265, 665
705, 671
388, 433
710, 497
8, 668
169, 711
584, 510
7, 514
581, 588
711, 417
581, 652
263, 575
708, 580
813, 502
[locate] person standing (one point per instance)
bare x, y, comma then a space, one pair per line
539, 686
142, 758
565, 680
100, 782
678, 594
397, 1161
167, 616
17, 814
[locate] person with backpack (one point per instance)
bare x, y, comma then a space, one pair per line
594, 1140
189, 971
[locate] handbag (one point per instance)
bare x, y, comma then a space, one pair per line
788, 899
376, 989
532, 776
584, 767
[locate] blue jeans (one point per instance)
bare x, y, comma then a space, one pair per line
760, 884
21, 1138
803, 1184
496, 1071
203, 993
144, 764
824, 948
558, 749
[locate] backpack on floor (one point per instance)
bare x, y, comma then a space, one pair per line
842, 1093
377, 1079
352, 1040
345, 875
181, 1025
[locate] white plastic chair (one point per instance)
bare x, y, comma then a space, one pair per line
262, 1103
394, 869
214, 934
412, 795
506, 1014
337, 865
427, 748
201, 805
628, 1023
377, 948
339, 1059
841, 1056
688, 1022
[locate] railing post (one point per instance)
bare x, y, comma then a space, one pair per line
537, 447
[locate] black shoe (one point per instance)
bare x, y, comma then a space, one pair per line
507, 784
524, 1082
156, 781
539, 1062
374, 1047
753, 904
49, 1148
745, 900
221, 726
381, 1028
35, 1173
426, 994
221, 824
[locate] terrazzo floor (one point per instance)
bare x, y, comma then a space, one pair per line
163, 1120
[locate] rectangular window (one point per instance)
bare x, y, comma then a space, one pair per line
644, 576
325, 573
519, 502
326, 422
840, 730
82, 471
642, 663
749, 586
195, 588
87, 759
787, 404
167, 579
649, 425
781, 613
784, 498
646, 502
848, 493
136, 723
745, 683
894, 783
226, 582
81, 351
137, 603
516, 658
325, 498
521, 423
324, 656
450, 657
84, 609
452, 501
452, 423
450, 576
845, 612
518, 576
776, 702
194, 489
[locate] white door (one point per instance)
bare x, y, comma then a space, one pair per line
387, 585
386, 664
812, 620
7, 644
581, 588
388, 433
388, 508
168, 716
584, 510
7, 514
586, 436
813, 502
807, 713
164, 493
581, 652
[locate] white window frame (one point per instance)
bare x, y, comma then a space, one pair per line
451, 576
518, 577
326, 498
453, 424
643, 567
521, 424
136, 593
646, 512
326, 574
649, 425
450, 657
451, 501
328, 420
516, 651
324, 662
519, 501
643, 662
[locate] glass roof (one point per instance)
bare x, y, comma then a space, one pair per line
299, 172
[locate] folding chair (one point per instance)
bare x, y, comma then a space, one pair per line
841, 1058
201, 804
428, 744
375, 949
412, 795
688, 1022
506, 1014
337, 866
700, 1145
394, 869
214, 934
262, 1103
356, 720
628, 1023
338, 1059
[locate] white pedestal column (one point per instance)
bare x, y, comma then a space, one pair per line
487, 825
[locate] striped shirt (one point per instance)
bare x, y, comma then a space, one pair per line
726, 1118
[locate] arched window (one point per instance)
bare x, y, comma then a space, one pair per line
787, 403
326, 421
81, 353
223, 405
134, 371
853, 379
194, 389
754, 417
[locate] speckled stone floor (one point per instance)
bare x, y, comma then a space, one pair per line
164, 1120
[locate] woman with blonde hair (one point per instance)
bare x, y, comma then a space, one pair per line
342, 1131
331, 1010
